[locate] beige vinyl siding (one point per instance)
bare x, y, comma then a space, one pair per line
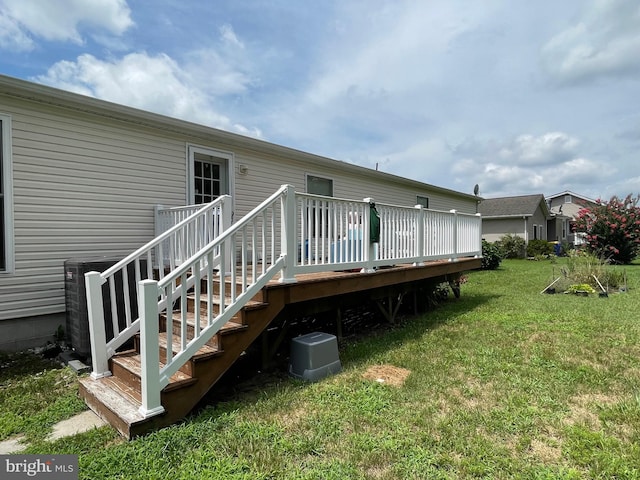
82, 188
266, 173
494, 229
85, 185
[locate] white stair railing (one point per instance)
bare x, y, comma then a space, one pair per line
121, 281
255, 259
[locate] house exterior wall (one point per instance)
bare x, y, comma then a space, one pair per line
538, 221
493, 229
85, 185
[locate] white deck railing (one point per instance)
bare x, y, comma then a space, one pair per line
288, 234
121, 282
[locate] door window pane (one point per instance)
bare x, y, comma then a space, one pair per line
209, 178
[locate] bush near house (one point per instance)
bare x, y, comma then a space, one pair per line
612, 228
512, 246
539, 248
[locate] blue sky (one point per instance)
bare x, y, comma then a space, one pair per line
519, 97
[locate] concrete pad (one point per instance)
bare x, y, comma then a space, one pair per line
80, 423
12, 445
78, 366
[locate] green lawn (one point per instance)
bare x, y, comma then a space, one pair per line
503, 383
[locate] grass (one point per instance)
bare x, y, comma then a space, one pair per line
504, 383
35, 393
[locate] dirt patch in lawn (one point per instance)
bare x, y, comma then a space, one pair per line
548, 450
584, 409
387, 375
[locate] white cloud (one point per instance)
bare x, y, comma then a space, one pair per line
222, 68
526, 164
550, 148
61, 20
11, 35
229, 36
606, 41
387, 49
153, 83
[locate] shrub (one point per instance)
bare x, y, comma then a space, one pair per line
538, 248
612, 228
491, 256
512, 246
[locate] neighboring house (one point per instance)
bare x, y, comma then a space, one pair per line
565, 207
80, 177
525, 216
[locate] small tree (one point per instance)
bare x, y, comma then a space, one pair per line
612, 228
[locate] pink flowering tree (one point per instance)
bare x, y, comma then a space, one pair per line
612, 228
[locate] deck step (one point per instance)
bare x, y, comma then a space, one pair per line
111, 400
208, 350
127, 367
191, 300
229, 327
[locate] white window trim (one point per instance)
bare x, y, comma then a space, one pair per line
228, 156
7, 175
568, 199
319, 175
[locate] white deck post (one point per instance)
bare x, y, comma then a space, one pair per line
479, 237
93, 284
149, 350
226, 224
368, 248
454, 257
157, 224
288, 234
419, 232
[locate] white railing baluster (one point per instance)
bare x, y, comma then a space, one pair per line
114, 305
125, 294
197, 285
254, 248
210, 286
183, 311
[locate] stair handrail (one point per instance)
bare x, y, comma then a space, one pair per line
175, 285
153, 252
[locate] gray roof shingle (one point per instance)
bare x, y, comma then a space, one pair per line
524, 205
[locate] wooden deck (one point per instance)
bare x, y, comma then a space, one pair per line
117, 398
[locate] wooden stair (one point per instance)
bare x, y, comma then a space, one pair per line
117, 398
